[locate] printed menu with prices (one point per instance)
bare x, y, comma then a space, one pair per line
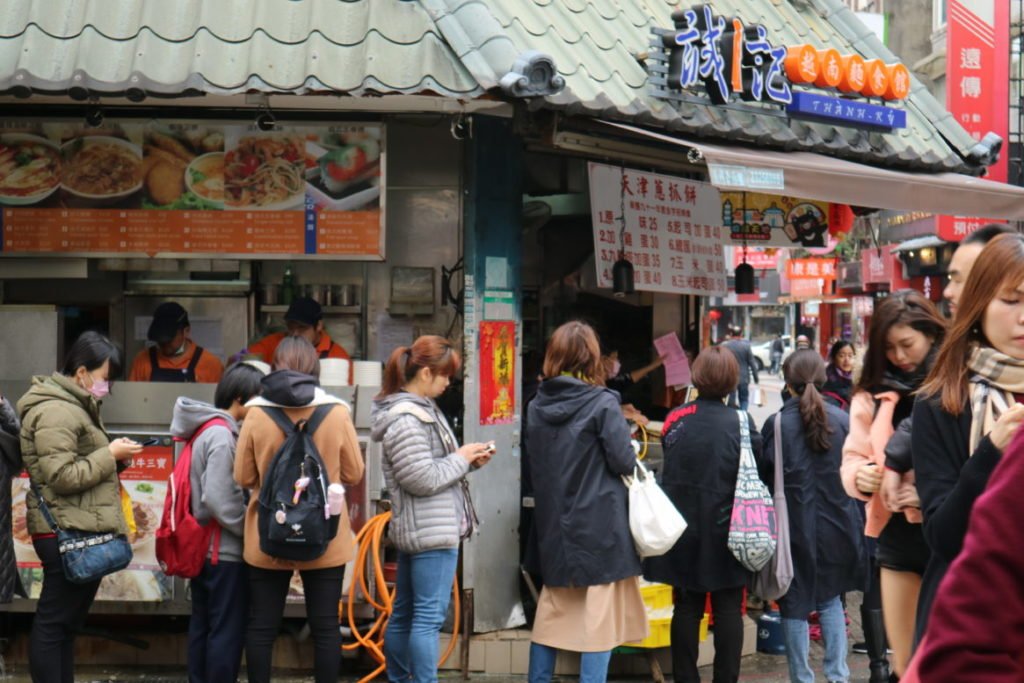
673, 232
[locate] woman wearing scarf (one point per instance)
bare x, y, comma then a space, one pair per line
969, 409
905, 330
838, 387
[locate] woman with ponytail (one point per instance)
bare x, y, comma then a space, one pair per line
425, 473
824, 524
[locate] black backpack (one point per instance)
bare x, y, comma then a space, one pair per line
296, 527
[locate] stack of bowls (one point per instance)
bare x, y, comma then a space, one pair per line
334, 372
367, 373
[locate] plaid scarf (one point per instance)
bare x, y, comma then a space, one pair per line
996, 378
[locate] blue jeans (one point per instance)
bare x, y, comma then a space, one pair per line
423, 589
833, 632
741, 397
593, 665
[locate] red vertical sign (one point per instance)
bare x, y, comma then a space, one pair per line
978, 85
497, 372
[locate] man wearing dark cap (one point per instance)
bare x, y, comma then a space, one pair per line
304, 318
173, 356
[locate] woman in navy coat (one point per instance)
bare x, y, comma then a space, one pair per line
702, 457
824, 523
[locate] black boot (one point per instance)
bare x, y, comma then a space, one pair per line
874, 635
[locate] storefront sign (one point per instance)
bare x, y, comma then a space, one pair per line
811, 269
730, 59
673, 231
760, 259
771, 220
977, 73
805, 289
815, 106
746, 177
877, 265
497, 372
187, 188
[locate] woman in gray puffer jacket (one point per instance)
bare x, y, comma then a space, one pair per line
425, 471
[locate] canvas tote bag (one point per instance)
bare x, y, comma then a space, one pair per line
752, 526
773, 581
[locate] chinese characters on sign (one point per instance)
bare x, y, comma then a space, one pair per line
673, 231
497, 372
977, 45
727, 57
811, 269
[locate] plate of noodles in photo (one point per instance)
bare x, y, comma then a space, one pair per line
29, 168
266, 173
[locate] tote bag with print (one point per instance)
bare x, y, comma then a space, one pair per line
752, 528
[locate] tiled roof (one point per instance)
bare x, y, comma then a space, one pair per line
455, 48
228, 46
598, 45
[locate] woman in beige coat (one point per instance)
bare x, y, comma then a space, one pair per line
294, 386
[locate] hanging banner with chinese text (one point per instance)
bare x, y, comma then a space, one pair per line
766, 220
497, 372
977, 91
811, 269
673, 232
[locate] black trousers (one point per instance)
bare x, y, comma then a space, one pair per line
726, 606
216, 631
60, 613
268, 590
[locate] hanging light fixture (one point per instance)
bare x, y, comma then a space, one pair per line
743, 278
622, 270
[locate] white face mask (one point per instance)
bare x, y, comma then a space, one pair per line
181, 349
616, 366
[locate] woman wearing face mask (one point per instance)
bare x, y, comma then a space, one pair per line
970, 408
73, 465
905, 331
838, 387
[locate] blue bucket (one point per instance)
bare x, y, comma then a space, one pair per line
770, 639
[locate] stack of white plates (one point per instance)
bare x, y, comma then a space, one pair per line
334, 372
367, 373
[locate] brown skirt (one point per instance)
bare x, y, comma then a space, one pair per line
592, 618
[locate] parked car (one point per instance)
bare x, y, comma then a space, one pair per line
763, 351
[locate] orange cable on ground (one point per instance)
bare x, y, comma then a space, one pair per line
368, 540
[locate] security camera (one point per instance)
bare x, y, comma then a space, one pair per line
986, 151
266, 121
94, 117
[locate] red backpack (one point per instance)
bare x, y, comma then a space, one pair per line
181, 541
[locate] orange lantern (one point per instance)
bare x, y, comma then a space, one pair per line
877, 78
899, 82
830, 68
854, 74
802, 64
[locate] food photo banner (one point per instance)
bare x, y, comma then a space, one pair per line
672, 231
192, 188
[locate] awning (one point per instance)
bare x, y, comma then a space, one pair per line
815, 176
920, 243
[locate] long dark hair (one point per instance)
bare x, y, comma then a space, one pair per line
91, 350
1003, 260
428, 351
905, 307
804, 372
836, 349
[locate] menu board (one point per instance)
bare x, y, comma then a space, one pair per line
174, 188
146, 484
669, 228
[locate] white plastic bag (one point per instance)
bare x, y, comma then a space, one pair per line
654, 521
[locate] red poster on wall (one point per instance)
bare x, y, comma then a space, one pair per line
497, 372
978, 85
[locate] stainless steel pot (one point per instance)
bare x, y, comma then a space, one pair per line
270, 294
349, 295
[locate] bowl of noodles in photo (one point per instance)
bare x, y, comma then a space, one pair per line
29, 168
101, 169
265, 172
